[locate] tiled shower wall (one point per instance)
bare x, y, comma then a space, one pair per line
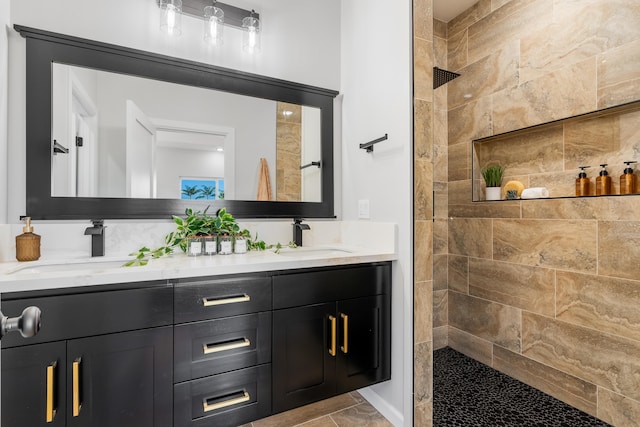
423, 210
547, 291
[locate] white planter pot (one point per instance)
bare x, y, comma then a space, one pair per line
493, 193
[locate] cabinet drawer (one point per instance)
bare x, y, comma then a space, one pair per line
319, 286
94, 313
220, 345
214, 298
228, 399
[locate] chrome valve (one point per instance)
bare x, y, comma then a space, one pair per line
28, 324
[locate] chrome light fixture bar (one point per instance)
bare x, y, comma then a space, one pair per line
233, 16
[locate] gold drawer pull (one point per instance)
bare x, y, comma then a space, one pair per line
77, 405
332, 350
51, 373
219, 405
208, 302
345, 333
224, 346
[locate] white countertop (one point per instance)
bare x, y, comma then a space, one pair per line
52, 274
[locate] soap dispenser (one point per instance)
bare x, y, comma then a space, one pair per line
603, 182
28, 243
628, 180
583, 184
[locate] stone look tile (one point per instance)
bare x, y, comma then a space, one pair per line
619, 75
569, 389
457, 51
440, 308
423, 252
460, 243
308, 412
462, 205
458, 158
360, 415
320, 422
618, 249
439, 29
577, 33
497, 323
423, 69
528, 288
599, 358
599, 302
423, 415
617, 410
495, 4
560, 184
441, 202
533, 152
440, 236
423, 129
569, 245
486, 76
564, 93
506, 25
470, 121
588, 141
423, 372
423, 19
458, 273
440, 272
468, 17
470, 345
423, 189
440, 337
423, 312
601, 208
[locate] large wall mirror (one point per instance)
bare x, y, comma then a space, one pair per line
114, 132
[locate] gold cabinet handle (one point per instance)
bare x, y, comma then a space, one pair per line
224, 346
223, 404
345, 333
332, 350
77, 405
208, 302
51, 378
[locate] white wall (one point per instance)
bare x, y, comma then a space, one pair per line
376, 83
4, 76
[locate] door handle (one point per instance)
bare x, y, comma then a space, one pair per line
229, 345
207, 407
77, 404
51, 385
333, 320
208, 302
345, 333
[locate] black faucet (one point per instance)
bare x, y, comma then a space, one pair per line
298, 226
97, 237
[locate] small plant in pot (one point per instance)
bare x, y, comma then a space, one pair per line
492, 175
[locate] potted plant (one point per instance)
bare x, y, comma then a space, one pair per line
492, 175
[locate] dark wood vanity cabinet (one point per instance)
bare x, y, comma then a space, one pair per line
215, 351
331, 333
104, 358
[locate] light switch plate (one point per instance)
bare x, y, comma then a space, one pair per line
363, 209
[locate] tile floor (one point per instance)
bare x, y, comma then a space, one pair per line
346, 410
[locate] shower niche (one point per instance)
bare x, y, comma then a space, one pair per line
550, 154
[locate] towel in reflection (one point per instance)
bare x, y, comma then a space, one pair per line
264, 182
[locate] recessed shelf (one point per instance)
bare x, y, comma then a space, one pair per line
549, 154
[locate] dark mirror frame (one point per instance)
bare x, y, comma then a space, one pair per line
44, 48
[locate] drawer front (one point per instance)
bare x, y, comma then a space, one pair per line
94, 313
214, 298
228, 399
214, 346
313, 287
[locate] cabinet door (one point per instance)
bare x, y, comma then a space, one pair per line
303, 369
33, 385
364, 348
121, 380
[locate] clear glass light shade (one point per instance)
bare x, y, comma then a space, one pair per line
171, 17
251, 35
213, 24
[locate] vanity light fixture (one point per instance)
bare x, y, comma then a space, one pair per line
216, 15
171, 17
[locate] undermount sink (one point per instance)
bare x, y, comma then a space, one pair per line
68, 265
308, 252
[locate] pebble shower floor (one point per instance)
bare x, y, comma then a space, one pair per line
469, 393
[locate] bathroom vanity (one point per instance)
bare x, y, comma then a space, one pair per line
195, 348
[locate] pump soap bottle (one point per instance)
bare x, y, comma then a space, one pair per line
628, 180
583, 184
28, 243
603, 182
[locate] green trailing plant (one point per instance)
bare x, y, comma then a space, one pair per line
196, 223
492, 175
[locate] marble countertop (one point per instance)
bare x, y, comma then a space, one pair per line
67, 273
